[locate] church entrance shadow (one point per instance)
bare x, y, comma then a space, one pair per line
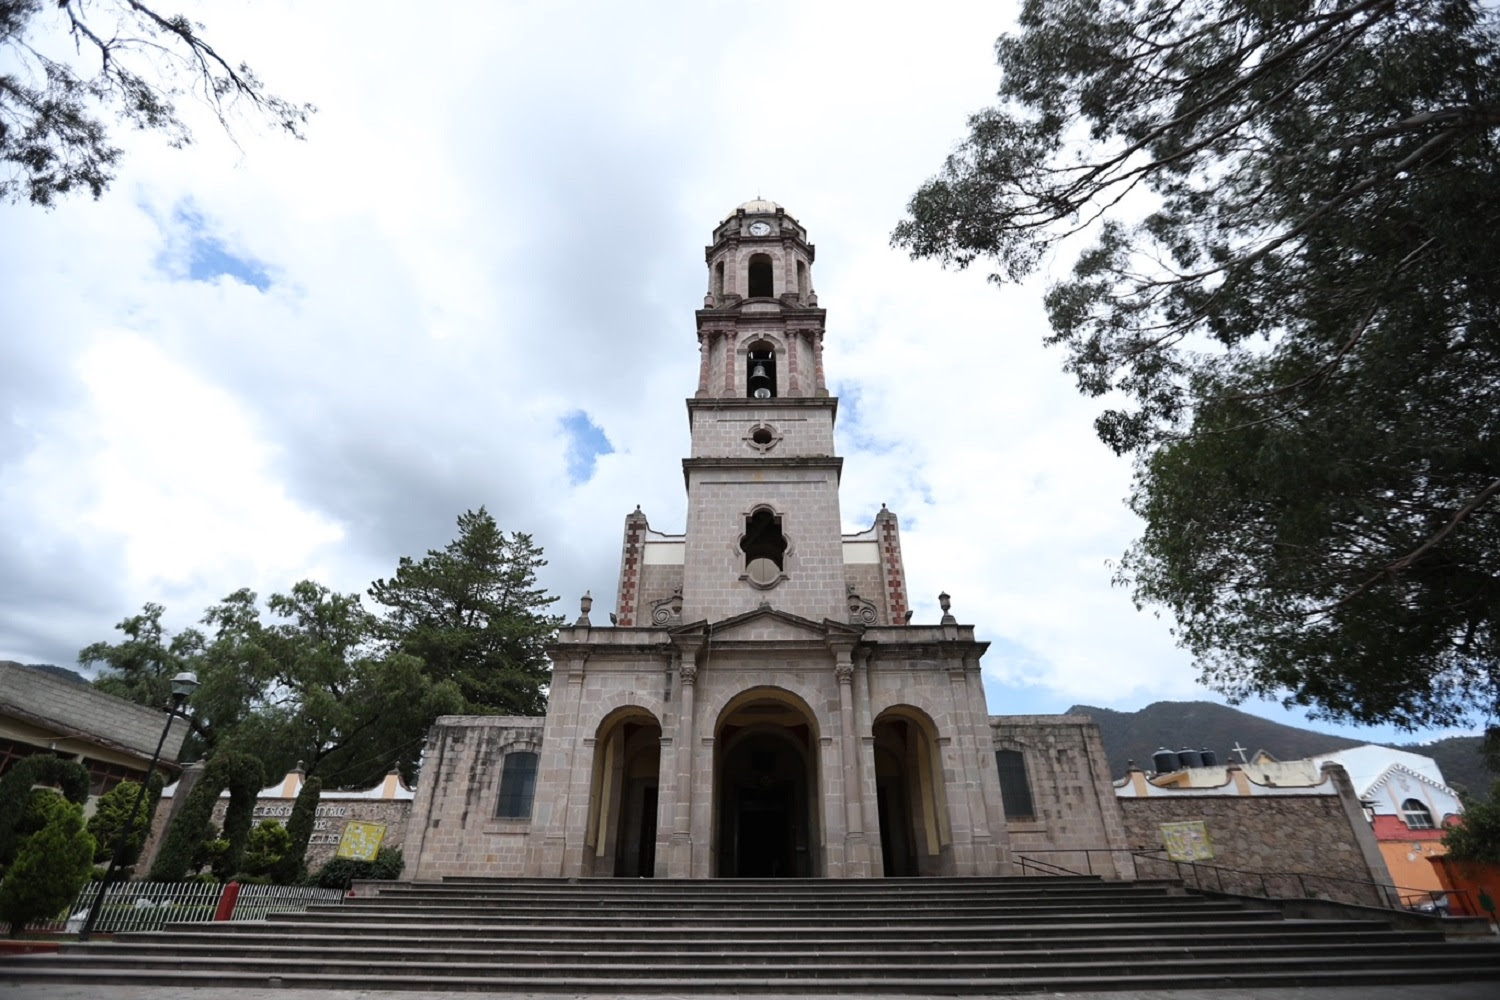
765, 783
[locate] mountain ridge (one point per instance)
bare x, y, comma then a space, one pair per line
1137, 735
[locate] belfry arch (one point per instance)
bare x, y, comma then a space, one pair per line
915, 836
623, 795
766, 787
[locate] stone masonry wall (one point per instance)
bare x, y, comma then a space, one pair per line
333, 816
1276, 837
807, 499
1076, 823
454, 829
805, 429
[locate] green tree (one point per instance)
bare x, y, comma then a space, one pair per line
473, 614
299, 827
310, 684
333, 699
1293, 292
1477, 835
128, 61
111, 812
52, 865
229, 666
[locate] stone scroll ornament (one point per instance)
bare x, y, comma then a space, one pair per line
668, 610
861, 611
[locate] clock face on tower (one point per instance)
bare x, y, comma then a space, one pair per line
760, 228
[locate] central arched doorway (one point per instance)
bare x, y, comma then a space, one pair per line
766, 788
623, 796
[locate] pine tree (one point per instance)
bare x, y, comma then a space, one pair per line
473, 613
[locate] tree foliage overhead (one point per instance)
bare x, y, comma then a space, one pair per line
1292, 298
129, 62
473, 613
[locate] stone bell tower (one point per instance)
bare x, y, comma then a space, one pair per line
763, 521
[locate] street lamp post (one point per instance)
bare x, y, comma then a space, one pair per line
183, 685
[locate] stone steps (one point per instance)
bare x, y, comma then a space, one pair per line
950, 936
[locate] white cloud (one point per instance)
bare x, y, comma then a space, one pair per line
497, 221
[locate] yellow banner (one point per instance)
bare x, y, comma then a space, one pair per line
361, 841
1187, 841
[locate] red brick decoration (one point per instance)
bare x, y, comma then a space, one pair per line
630, 566
889, 536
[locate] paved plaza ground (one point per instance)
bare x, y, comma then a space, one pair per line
1447, 991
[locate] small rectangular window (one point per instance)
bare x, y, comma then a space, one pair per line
1015, 789
517, 785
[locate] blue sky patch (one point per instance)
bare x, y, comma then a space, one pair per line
208, 258
586, 442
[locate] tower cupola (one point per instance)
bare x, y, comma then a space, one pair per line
760, 329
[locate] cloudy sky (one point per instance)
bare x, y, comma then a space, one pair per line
251, 364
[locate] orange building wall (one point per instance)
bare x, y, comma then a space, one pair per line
1406, 852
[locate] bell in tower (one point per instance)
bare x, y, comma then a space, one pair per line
761, 382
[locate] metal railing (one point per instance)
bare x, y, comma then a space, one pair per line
1303, 885
1266, 884
1037, 866
148, 906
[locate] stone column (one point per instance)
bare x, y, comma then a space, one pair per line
865, 746
680, 859
558, 770
793, 349
822, 387
730, 363
958, 760
856, 850
705, 347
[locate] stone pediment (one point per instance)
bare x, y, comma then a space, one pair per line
769, 625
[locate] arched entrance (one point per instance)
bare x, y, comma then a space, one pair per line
766, 788
915, 838
623, 796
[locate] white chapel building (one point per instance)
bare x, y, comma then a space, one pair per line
762, 704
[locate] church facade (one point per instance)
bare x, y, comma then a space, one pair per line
761, 703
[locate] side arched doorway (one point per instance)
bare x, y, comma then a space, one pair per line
766, 788
915, 838
623, 796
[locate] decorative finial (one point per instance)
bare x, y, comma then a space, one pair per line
584, 604
945, 602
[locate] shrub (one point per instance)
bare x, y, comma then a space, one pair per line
72, 776
51, 866
266, 846
111, 812
339, 872
243, 776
